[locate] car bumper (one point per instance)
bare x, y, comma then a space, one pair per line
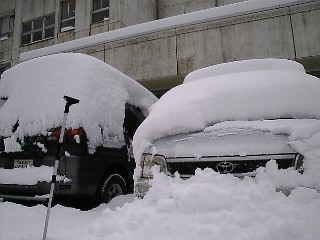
40, 188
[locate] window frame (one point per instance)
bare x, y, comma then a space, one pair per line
9, 31
99, 10
44, 27
69, 18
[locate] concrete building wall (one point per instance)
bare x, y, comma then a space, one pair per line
7, 9
169, 8
122, 13
163, 59
147, 57
34, 8
267, 34
227, 2
83, 18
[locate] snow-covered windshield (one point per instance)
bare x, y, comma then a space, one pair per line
35, 91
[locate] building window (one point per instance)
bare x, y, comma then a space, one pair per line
38, 29
6, 27
100, 10
68, 9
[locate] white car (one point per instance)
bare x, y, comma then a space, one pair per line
232, 118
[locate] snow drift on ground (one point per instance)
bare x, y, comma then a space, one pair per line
35, 91
206, 206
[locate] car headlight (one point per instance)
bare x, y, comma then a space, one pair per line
298, 163
149, 161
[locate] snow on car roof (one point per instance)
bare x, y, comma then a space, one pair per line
266, 93
35, 91
244, 66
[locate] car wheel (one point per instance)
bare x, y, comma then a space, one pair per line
114, 185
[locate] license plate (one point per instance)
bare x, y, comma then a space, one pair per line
22, 163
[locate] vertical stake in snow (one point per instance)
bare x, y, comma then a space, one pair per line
69, 101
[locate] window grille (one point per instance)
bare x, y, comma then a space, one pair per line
38, 29
100, 10
68, 9
6, 27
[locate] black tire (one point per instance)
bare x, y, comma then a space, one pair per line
113, 186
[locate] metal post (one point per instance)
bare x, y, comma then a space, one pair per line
69, 101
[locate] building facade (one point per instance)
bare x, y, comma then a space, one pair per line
160, 59
26, 25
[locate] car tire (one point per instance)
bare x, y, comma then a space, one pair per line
113, 186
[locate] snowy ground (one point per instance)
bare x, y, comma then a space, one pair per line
207, 206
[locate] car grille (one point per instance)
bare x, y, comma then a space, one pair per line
226, 166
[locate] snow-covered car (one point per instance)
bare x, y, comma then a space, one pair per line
232, 118
97, 162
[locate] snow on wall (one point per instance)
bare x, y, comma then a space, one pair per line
35, 91
222, 12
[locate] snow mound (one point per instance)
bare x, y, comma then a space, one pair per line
249, 95
213, 206
35, 91
206, 206
245, 66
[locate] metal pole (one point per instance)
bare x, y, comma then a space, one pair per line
69, 102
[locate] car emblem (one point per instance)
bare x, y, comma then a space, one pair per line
225, 167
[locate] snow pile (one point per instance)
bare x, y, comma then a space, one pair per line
27, 176
35, 91
214, 206
206, 206
244, 66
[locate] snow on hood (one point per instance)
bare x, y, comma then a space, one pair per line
272, 92
231, 141
35, 91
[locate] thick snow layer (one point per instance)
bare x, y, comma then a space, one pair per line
250, 95
237, 101
223, 142
206, 206
222, 12
27, 176
245, 66
35, 91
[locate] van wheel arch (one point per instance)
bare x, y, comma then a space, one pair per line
112, 186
